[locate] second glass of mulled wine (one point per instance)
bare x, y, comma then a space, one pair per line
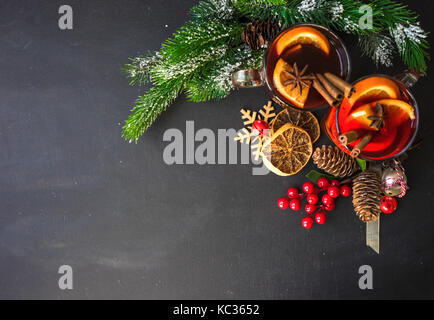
380, 121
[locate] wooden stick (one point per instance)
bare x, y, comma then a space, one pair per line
334, 92
324, 93
346, 88
362, 145
348, 137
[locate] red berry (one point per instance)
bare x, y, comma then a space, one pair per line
330, 207
307, 222
320, 218
310, 208
258, 128
335, 182
334, 192
293, 193
345, 191
295, 204
283, 203
388, 205
309, 187
327, 200
323, 183
312, 198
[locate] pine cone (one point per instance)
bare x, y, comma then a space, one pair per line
367, 196
260, 33
335, 162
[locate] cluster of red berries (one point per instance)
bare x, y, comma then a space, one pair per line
311, 193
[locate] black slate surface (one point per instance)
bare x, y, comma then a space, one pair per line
74, 193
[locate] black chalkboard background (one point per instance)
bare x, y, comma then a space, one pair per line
73, 192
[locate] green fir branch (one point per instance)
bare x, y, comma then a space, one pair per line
149, 107
197, 37
138, 70
214, 10
216, 81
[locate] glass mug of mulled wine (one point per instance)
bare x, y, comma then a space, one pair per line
290, 63
379, 121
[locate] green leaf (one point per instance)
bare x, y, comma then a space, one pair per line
314, 176
362, 164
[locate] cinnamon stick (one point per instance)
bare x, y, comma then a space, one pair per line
344, 86
324, 93
334, 92
348, 137
362, 145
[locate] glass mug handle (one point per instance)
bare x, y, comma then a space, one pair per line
250, 78
408, 78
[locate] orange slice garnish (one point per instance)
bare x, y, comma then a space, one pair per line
303, 35
396, 112
360, 117
292, 95
373, 89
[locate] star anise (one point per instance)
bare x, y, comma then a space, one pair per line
378, 118
297, 78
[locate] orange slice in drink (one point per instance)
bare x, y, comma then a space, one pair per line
292, 95
303, 35
396, 112
373, 89
359, 118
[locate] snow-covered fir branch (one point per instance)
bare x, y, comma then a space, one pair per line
139, 68
243, 56
169, 71
308, 6
336, 10
402, 34
350, 26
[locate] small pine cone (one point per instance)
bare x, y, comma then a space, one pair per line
335, 162
367, 196
260, 33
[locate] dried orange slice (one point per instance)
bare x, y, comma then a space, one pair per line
374, 88
280, 76
288, 151
302, 119
303, 35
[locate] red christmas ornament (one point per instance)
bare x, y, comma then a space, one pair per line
293, 193
258, 127
323, 183
295, 204
345, 191
388, 205
283, 203
309, 187
307, 222
320, 218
